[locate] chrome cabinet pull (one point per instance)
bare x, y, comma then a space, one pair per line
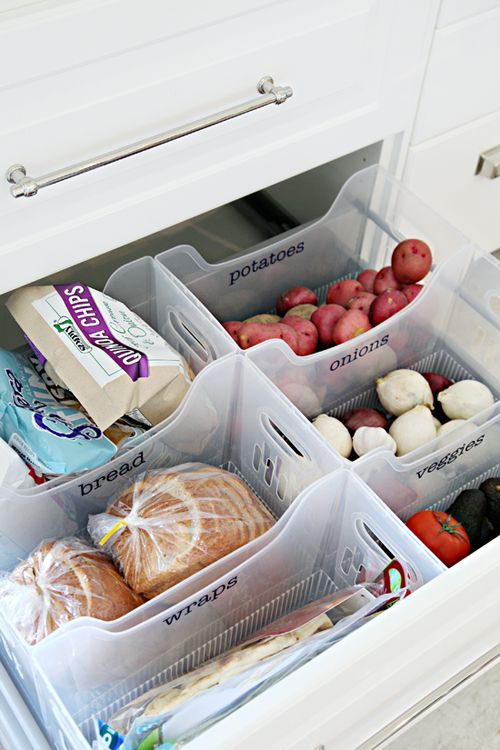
488, 164
23, 184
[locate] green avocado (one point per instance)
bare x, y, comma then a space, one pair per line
470, 508
491, 489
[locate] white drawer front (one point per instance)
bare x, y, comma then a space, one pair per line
355, 67
453, 11
442, 172
341, 700
462, 82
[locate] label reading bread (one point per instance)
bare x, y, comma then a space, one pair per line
107, 338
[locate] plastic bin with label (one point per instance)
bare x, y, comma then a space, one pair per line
161, 301
451, 327
339, 531
470, 455
234, 418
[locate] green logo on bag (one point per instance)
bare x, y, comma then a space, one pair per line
65, 326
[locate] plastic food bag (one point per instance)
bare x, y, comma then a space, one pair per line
13, 471
181, 709
49, 436
62, 580
102, 352
171, 523
120, 432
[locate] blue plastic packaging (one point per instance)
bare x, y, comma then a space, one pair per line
51, 437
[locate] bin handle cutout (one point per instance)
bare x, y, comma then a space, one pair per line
371, 538
282, 439
189, 336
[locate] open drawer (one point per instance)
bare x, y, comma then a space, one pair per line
354, 68
342, 699
348, 696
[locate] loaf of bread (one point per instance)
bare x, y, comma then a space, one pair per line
62, 580
176, 522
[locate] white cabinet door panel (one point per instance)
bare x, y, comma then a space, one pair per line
355, 67
442, 172
462, 82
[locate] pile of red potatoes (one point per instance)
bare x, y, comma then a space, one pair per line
352, 307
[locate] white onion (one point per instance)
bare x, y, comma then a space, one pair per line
401, 390
366, 439
413, 429
335, 433
453, 424
464, 399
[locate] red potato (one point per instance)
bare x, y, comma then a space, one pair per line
385, 279
361, 301
324, 319
342, 291
437, 382
290, 336
352, 323
364, 418
386, 305
411, 261
251, 334
411, 291
306, 331
366, 278
299, 295
232, 327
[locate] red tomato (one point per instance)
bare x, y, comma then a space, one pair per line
444, 536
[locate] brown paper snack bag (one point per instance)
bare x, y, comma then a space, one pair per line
105, 354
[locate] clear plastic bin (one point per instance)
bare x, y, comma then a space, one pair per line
159, 299
452, 326
163, 302
371, 214
447, 330
338, 529
233, 418
433, 481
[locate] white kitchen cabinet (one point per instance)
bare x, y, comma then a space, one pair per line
83, 78
463, 76
468, 200
458, 120
100, 76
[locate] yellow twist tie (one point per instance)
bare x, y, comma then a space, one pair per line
112, 531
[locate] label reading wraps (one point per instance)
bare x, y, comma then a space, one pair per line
111, 359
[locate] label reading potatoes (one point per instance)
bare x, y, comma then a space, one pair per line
211, 596
449, 458
359, 352
270, 260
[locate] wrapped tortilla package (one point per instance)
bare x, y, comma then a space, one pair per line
171, 523
179, 710
61, 580
106, 355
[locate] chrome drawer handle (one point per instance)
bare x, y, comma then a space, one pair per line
22, 184
488, 164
